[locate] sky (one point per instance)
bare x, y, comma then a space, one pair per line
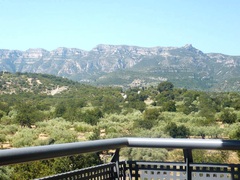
209, 25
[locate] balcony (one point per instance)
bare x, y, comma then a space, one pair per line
133, 170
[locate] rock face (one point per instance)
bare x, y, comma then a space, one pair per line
120, 65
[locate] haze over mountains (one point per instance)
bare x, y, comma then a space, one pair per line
123, 65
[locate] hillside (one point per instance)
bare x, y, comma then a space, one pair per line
121, 65
33, 83
30, 115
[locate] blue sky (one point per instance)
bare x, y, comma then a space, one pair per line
209, 25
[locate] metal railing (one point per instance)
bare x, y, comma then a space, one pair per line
133, 169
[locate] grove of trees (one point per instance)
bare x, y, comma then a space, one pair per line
84, 112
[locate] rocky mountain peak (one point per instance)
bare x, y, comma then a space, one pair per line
63, 51
36, 50
35, 53
190, 48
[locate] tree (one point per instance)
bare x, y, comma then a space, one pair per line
151, 114
177, 131
182, 131
1, 114
164, 97
188, 105
71, 163
188, 108
165, 86
110, 105
27, 114
4, 106
139, 105
145, 124
236, 104
208, 114
206, 108
32, 170
92, 116
38, 169
235, 133
60, 109
150, 119
228, 117
170, 106
70, 114
171, 129
136, 95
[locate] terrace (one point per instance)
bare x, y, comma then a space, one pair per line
132, 170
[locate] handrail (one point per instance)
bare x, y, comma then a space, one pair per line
185, 143
20, 155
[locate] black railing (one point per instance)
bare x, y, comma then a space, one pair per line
133, 169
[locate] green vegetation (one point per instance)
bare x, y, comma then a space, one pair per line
43, 168
31, 115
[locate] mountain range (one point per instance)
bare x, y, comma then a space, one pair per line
122, 65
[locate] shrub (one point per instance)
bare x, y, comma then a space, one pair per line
82, 127
210, 156
24, 137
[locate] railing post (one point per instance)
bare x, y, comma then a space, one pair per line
188, 159
115, 159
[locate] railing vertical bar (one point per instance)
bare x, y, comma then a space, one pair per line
136, 171
188, 159
115, 159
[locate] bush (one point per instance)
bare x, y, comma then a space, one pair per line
24, 137
82, 127
5, 172
202, 121
6, 120
210, 156
9, 129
